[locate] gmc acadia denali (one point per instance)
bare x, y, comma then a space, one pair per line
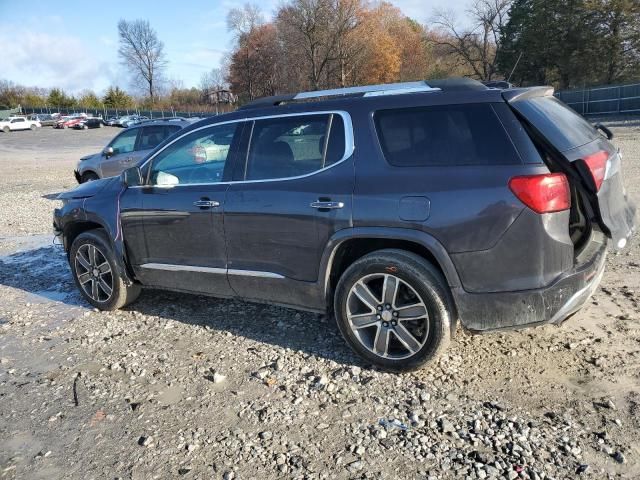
402, 209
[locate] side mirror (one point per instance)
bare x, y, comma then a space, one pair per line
108, 152
132, 177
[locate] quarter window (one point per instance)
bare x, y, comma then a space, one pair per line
293, 146
444, 135
198, 157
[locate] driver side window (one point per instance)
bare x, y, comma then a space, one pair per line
198, 157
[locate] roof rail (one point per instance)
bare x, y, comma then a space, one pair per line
363, 91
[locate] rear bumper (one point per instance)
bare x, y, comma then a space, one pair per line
483, 312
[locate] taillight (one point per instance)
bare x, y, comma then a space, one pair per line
597, 163
545, 193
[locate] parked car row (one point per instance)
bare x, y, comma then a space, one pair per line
78, 121
126, 121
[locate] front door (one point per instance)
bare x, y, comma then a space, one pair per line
290, 195
182, 209
123, 151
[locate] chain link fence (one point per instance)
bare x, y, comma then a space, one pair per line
107, 113
605, 100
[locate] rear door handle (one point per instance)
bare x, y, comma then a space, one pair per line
206, 204
328, 205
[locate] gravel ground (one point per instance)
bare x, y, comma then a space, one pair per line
184, 386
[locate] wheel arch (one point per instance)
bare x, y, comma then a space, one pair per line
350, 244
73, 229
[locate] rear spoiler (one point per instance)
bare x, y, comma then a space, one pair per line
515, 94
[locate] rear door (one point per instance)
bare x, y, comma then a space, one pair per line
594, 161
293, 190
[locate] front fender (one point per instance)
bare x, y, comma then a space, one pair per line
104, 211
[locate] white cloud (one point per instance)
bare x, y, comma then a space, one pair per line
34, 57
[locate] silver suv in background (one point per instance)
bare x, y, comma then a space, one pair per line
127, 149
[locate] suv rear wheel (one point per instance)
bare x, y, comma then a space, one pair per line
94, 269
394, 309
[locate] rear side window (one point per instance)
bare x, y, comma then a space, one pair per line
558, 123
292, 146
150, 137
444, 135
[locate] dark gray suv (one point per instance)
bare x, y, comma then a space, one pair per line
127, 149
402, 209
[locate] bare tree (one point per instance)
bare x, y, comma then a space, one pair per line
142, 51
318, 29
476, 47
241, 21
215, 79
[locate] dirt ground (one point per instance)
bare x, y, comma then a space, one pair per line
179, 386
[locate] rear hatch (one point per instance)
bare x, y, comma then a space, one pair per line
591, 162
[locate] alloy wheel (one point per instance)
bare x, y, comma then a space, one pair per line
94, 273
387, 316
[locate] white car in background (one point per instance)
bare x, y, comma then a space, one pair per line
18, 123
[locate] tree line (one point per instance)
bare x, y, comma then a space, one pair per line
317, 44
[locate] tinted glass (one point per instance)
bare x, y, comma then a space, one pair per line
558, 123
198, 157
444, 135
293, 146
125, 142
150, 137
18, 120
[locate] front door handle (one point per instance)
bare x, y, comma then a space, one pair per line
206, 203
326, 205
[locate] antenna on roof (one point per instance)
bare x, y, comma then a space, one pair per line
514, 67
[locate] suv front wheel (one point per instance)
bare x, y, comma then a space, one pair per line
394, 309
95, 272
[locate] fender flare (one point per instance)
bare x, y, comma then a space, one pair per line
415, 236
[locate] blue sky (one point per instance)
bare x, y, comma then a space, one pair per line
73, 45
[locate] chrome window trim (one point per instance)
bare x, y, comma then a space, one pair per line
349, 147
217, 270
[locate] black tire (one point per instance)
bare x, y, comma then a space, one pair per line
6, 129
88, 177
122, 292
33, 128
421, 282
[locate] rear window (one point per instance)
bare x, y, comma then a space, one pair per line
558, 123
444, 135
